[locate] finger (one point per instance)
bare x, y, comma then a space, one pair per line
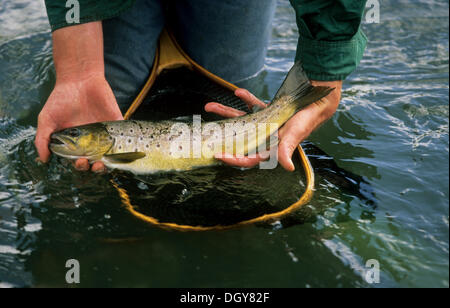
242, 161
82, 164
98, 167
42, 141
286, 149
249, 98
290, 137
224, 111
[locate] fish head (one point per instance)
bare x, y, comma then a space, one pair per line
90, 141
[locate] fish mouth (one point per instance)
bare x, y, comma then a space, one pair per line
62, 145
67, 148
56, 141
61, 140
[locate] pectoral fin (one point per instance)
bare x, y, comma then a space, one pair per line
124, 158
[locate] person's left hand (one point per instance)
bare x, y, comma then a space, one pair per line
297, 129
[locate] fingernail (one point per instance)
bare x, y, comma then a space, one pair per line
292, 165
81, 167
101, 170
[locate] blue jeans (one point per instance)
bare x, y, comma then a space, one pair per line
227, 37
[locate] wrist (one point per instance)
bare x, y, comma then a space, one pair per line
92, 92
337, 85
330, 102
79, 72
335, 96
80, 79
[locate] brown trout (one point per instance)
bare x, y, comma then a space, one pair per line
144, 147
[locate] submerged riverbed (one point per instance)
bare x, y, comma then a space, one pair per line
391, 131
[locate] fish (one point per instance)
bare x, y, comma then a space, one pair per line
145, 147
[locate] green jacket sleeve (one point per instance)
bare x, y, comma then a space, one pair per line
331, 43
90, 10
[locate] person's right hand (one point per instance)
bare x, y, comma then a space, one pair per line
73, 103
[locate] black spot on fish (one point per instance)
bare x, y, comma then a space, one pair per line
131, 131
140, 126
147, 146
129, 140
180, 147
158, 145
120, 147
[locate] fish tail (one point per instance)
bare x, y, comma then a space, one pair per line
298, 88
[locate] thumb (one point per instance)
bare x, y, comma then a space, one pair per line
42, 140
286, 149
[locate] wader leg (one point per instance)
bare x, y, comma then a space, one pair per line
227, 37
130, 42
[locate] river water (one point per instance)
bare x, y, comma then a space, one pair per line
390, 132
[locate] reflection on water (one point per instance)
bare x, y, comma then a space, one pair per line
383, 196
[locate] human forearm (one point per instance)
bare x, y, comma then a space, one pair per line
78, 52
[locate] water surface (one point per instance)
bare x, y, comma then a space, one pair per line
391, 129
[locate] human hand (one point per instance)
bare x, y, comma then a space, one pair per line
297, 129
73, 103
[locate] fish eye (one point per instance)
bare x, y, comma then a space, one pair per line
74, 132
